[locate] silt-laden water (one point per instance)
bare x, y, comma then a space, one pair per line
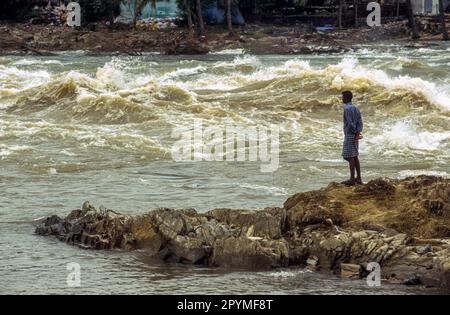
76, 127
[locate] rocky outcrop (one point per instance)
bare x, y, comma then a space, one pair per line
403, 225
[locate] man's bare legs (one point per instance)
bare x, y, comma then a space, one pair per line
352, 165
355, 167
358, 170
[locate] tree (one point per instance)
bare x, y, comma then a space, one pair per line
442, 18
188, 12
201, 24
412, 20
229, 18
341, 9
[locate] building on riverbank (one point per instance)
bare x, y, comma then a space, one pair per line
160, 9
428, 7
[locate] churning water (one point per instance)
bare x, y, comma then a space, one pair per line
76, 127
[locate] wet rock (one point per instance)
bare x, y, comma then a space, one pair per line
267, 223
188, 249
414, 280
169, 222
307, 208
209, 232
444, 270
336, 228
144, 235
242, 252
53, 225
350, 271
312, 261
422, 250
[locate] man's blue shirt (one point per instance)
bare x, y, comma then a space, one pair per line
352, 119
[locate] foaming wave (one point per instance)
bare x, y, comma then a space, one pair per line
229, 52
246, 63
4, 61
405, 135
183, 72
400, 63
22, 79
51, 92
350, 75
71, 141
121, 140
111, 76
220, 89
29, 62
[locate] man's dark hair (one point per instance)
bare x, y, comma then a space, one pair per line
347, 95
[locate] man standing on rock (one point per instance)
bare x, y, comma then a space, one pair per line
353, 126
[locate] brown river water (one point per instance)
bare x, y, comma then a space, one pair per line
75, 127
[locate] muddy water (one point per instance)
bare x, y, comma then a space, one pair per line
76, 128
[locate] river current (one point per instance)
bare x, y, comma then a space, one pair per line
75, 127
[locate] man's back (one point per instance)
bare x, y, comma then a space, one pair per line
353, 123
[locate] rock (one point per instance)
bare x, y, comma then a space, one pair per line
170, 223
87, 206
307, 208
312, 261
209, 232
414, 280
336, 228
444, 270
242, 252
267, 223
400, 239
388, 205
53, 225
144, 235
379, 188
422, 250
188, 249
350, 271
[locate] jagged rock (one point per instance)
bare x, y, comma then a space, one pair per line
170, 223
53, 225
390, 205
422, 250
401, 224
188, 249
312, 261
444, 270
266, 223
350, 271
209, 232
242, 252
144, 235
